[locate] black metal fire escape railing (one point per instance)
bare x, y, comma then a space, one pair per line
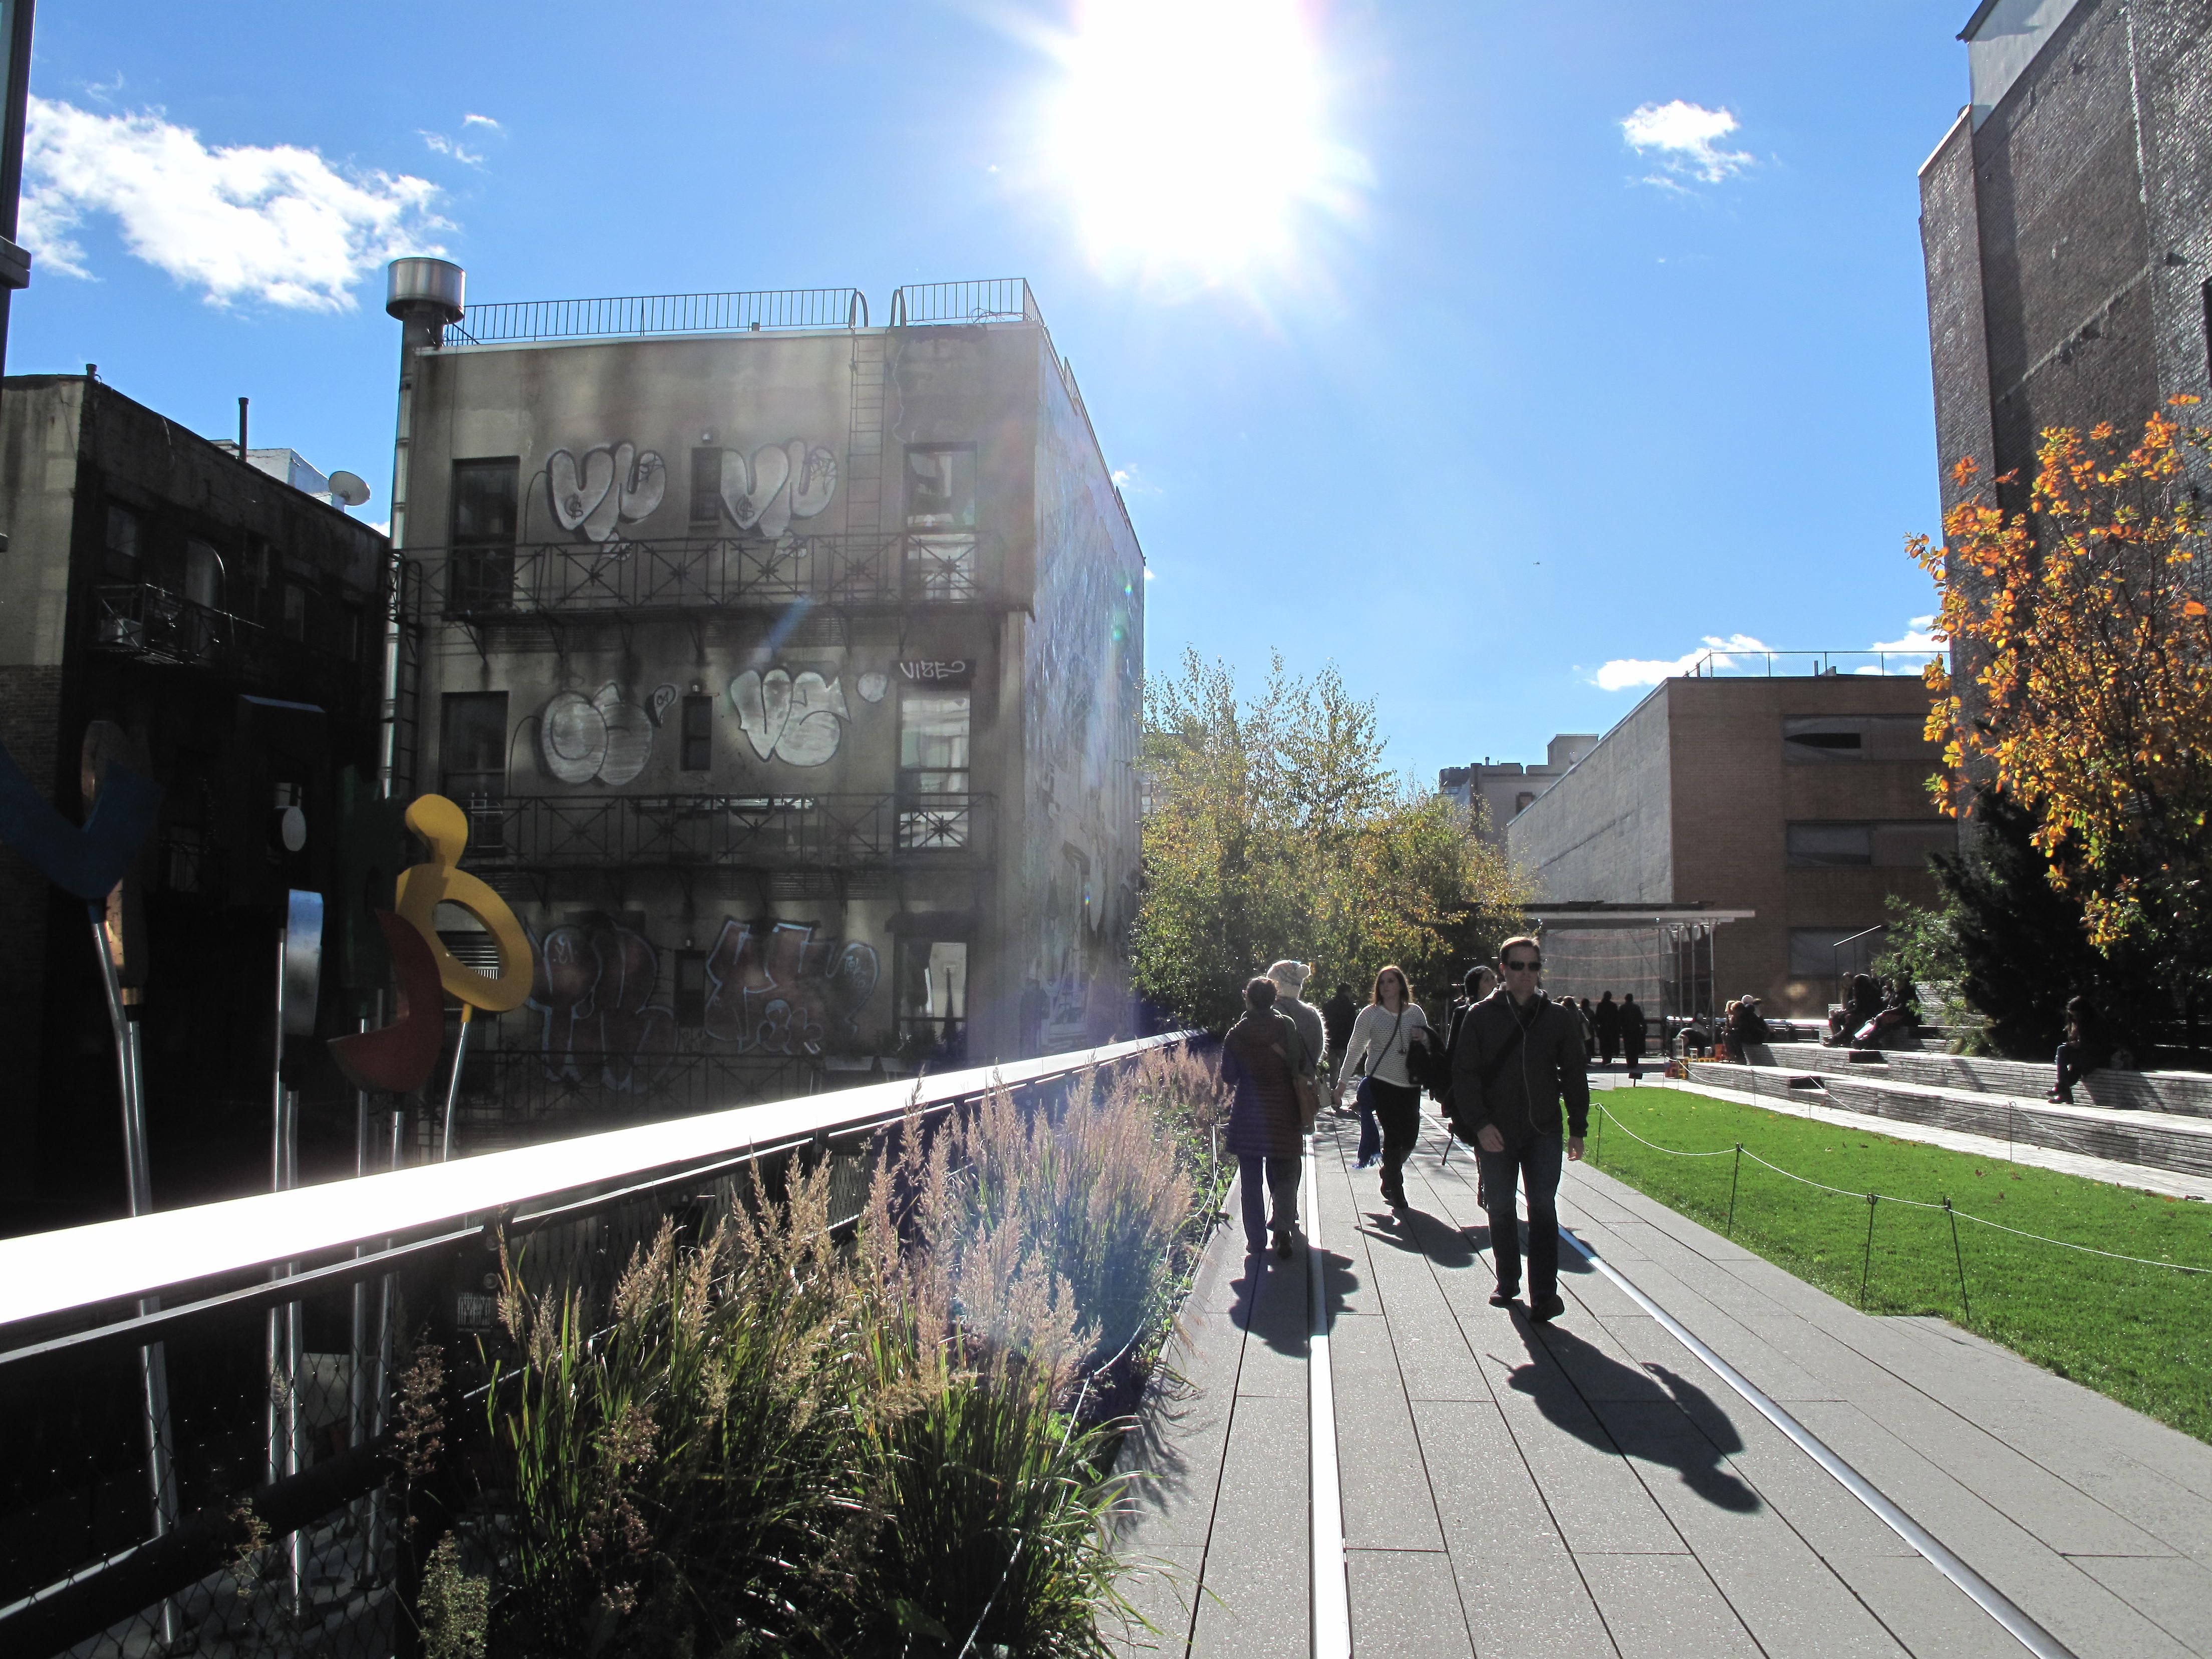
150, 624
693, 572
827, 831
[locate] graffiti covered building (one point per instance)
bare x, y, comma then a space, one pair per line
788, 667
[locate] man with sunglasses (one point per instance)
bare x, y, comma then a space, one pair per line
1519, 1053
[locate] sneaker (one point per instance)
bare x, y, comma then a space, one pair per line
1547, 1310
1504, 1295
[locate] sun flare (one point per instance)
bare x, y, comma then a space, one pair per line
1192, 133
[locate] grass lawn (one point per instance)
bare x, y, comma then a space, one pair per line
2140, 1335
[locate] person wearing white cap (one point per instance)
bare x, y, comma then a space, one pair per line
1290, 978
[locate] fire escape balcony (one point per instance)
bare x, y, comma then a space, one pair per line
479, 585
150, 624
794, 832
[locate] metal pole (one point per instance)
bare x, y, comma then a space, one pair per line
1959, 1256
1735, 1176
1866, 1268
453, 1088
153, 1363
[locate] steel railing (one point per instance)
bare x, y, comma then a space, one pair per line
661, 313
694, 573
987, 299
829, 831
312, 1560
1724, 662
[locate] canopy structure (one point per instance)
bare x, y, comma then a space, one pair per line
1662, 954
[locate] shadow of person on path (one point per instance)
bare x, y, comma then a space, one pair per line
1418, 1233
1273, 1300
1649, 1414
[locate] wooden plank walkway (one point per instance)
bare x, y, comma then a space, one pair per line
1592, 1487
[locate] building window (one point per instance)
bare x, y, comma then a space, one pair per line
690, 989
1824, 953
706, 486
933, 803
932, 1005
204, 576
295, 612
472, 761
1822, 737
123, 542
483, 529
940, 488
941, 522
1521, 801
1896, 845
698, 733
184, 859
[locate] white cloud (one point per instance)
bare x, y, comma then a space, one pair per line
438, 145
1623, 672
275, 222
481, 121
1919, 635
1680, 136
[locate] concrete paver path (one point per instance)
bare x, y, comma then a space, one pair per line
1593, 1487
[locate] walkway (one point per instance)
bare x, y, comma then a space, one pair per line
1595, 1488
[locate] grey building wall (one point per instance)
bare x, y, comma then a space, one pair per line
1605, 828
2067, 218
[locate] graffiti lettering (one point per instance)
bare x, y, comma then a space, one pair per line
799, 722
612, 484
956, 673
581, 739
776, 989
593, 989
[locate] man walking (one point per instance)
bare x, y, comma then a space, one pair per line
1518, 1054
1633, 1029
1336, 1017
1606, 1017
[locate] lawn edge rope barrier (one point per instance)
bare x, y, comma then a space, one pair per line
1913, 1203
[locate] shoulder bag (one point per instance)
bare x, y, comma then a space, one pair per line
1302, 1086
1370, 1060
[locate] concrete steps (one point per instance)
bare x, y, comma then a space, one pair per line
2150, 1139
2187, 1094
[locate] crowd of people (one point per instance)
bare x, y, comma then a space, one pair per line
1509, 1066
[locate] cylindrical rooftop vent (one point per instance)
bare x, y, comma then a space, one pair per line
434, 284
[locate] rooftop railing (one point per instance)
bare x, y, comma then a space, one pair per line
282, 1323
1724, 663
987, 299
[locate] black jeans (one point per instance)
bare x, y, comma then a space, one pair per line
1258, 1177
2073, 1062
1399, 1112
1535, 1162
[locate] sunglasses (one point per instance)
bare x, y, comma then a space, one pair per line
1527, 967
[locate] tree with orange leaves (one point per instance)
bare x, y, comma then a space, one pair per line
2084, 650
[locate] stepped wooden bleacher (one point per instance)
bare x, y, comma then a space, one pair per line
2155, 1120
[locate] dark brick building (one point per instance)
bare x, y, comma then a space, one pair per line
229, 629
2065, 226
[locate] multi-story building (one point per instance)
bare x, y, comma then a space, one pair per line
1736, 835
1502, 788
789, 668
222, 631
2063, 226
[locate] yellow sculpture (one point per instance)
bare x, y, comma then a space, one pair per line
444, 827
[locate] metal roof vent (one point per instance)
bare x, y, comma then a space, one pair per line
420, 284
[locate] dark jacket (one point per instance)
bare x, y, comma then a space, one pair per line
1632, 1028
1337, 1014
1264, 1120
1523, 1099
1607, 1017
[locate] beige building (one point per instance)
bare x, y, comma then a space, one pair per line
1503, 788
1735, 835
789, 667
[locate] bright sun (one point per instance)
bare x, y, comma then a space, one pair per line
1192, 133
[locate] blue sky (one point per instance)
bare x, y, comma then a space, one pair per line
1501, 398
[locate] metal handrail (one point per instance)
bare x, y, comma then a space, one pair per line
734, 312
690, 573
76, 1269
984, 299
1722, 661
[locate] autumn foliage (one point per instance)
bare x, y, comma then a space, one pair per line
2082, 658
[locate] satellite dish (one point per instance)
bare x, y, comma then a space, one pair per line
349, 488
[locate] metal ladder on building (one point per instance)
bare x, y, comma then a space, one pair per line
405, 748
864, 440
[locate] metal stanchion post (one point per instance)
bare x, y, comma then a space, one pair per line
1959, 1256
1735, 1176
1866, 1267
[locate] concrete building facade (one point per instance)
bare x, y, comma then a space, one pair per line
220, 631
1503, 788
1787, 809
2065, 228
789, 668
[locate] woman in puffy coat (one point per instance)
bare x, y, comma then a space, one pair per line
1259, 1061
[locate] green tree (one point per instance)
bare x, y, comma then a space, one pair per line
1277, 829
